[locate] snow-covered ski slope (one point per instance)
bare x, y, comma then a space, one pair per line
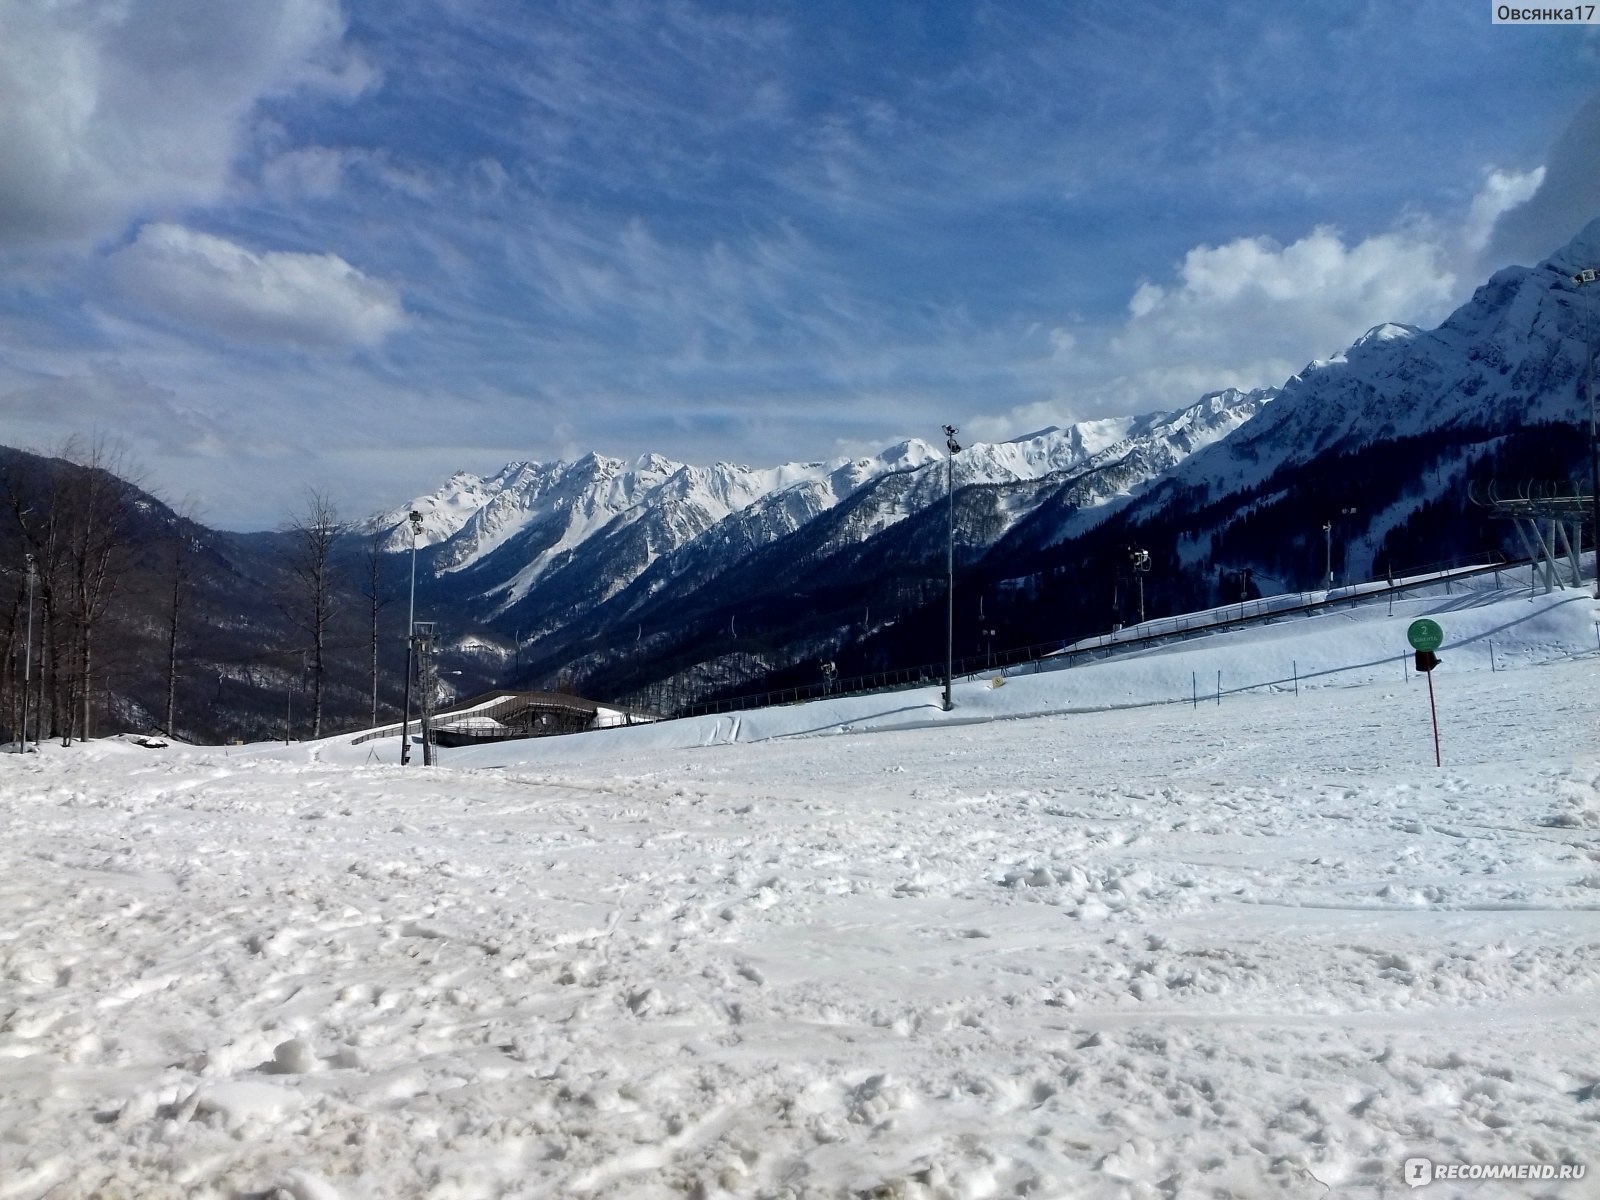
1343, 647
1117, 945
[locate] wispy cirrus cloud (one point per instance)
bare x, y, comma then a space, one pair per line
713, 231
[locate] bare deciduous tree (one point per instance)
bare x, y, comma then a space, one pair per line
97, 551
11, 670
180, 568
74, 514
33, 498
315, 529
372, 589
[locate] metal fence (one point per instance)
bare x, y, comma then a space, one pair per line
1062, 655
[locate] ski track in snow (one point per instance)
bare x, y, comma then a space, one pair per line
1257, 949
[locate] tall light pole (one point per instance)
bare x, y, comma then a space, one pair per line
1327, 529
1587, 276
27, 663
950, 561
1141, 567
415, 518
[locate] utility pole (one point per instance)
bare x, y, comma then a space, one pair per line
950, 562
1327, 529
288, 691
27, 664
427, 681
415, 518
1583, 277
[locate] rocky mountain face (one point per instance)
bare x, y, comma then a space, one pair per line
1382, 445
567, 557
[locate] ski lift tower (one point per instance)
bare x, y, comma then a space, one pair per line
1550, 521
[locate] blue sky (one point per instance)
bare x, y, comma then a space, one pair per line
298, 243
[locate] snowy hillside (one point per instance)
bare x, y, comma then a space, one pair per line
1261, 947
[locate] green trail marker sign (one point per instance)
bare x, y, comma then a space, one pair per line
1425, 635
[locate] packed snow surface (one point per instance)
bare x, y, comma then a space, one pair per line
1142, 939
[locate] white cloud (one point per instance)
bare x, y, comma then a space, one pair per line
1239, 314
1502, 191
315, 301
315, 171
115, 109
1251, 312
1019, 421
1567, 198
319, 172
1062, 342
1290, 293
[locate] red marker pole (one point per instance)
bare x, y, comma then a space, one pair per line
1434, 712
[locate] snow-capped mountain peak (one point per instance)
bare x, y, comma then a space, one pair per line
443, 511
1388, 331
552, 539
